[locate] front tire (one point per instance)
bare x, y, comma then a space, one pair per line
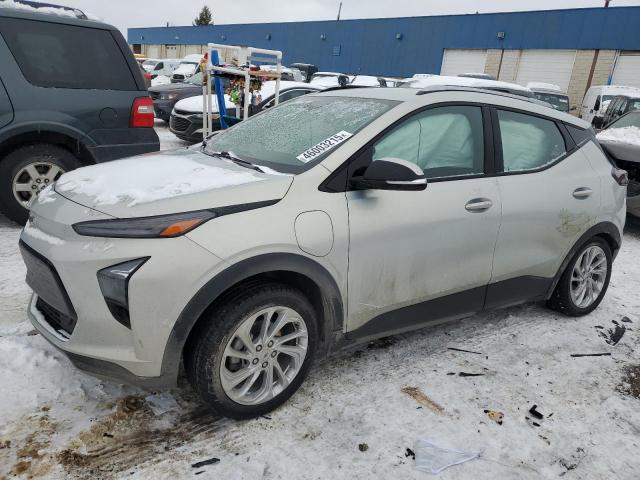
26, 171
254, 350
585, 280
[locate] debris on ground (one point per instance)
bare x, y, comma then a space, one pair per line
465, 374
535, 413
410, 453
631, 381
495, 416
434, 459
626, 320
161, 403
203, 463
380, 343
605, 354
422, 399
363, 447
465, 351
613, 335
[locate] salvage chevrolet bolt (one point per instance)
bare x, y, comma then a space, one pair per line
329, 220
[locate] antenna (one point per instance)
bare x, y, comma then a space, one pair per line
339, 10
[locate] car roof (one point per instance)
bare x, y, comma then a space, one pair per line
414, 95
50, 15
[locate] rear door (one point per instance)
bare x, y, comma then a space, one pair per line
549, 193
421, 256
6, 110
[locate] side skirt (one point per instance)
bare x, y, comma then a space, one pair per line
456, 306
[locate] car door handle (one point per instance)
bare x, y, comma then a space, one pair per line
478, 205
582, 192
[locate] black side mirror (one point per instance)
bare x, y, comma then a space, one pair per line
391, 174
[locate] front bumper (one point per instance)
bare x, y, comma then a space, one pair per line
189, 127
162, 108
633, 204
157, 292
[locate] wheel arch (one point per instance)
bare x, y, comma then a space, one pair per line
605, 230
72, 140
291, 269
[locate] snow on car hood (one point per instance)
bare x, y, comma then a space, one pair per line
194, 104
630, 135
168, 182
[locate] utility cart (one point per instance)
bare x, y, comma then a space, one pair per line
246, 79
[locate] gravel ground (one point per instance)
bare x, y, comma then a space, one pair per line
357, 413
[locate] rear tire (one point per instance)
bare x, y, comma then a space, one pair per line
27, 170
584, 282
217, 355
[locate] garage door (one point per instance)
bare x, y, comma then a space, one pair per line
547, 66
463, 61
627, 70
153, 51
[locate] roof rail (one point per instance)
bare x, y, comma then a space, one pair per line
490, 91
47, 8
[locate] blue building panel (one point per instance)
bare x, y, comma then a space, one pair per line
372, 46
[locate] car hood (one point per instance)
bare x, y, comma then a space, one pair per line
169, 182
194, 104
621, 143
175, 87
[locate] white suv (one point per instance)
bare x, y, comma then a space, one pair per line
331, 219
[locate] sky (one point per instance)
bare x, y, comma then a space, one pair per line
149, 13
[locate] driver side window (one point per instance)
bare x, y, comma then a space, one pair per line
442, 141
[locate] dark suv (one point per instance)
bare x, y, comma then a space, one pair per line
71, 94
619, 105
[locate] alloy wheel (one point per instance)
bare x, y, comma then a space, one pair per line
264, 355
588, 276
32, 179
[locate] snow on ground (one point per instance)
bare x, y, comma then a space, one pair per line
56, 422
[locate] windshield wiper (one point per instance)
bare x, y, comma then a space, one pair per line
238, 161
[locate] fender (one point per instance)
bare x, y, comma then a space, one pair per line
603, 228
15, 129
272, 262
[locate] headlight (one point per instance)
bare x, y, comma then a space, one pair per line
114, 285
168, 96
162, 226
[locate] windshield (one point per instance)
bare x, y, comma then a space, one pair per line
295, 135
631, 119
195, 80
558, 102
634, 104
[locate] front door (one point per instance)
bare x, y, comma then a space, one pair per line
417, 257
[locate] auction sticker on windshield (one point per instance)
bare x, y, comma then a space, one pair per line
323, 146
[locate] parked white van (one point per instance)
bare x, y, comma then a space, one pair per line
597, 99
188, 66
160, 66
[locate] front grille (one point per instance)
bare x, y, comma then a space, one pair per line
183, 112
179, 124
177, 76
154, 95
58, 320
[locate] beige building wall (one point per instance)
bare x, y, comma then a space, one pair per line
604, 67
492, 63
509, 67
580, 78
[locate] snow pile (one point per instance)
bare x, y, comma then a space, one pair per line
49, 10
543, 86
630, 135
164, 176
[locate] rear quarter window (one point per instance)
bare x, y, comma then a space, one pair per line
579, 135
67, 56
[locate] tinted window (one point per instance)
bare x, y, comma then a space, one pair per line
528, 142
579, 135
443, 141
559, 102
66, 56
